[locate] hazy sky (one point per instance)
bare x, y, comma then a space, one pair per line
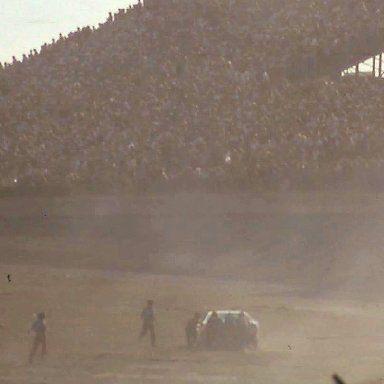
27, 24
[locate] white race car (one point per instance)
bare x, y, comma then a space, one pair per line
228, 329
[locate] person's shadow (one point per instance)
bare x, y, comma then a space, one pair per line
337, 379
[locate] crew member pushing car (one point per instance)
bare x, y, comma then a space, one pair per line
214, 331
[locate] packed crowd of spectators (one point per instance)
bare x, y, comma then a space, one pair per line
191, 93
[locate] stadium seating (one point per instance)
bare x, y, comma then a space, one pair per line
196, 94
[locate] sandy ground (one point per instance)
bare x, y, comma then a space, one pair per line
309, 269
93, 319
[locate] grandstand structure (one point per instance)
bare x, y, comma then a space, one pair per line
364, 51
175, 94
371, 67
352, 53
358, 51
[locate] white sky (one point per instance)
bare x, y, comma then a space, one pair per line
27, 24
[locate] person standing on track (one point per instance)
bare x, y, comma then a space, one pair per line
191, 330
243, 331
148, 318
214, 331
39, 327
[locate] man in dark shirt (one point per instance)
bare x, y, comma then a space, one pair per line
39, 327
243, 330
214, 331
191, 330
230, 332
148, 318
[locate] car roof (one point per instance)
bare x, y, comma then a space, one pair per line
224, 312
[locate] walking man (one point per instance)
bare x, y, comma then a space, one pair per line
39, 327
148, 318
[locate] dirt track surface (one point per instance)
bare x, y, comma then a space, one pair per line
93, 325
309, 270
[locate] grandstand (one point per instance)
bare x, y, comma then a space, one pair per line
219, 94
350, 53
371, 67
